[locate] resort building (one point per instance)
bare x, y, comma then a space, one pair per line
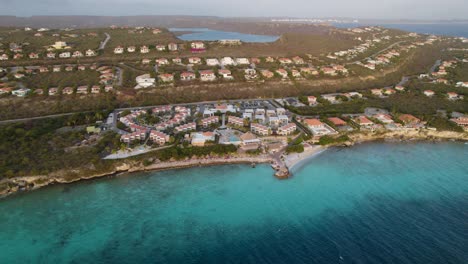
287, 129
236, 121
260, 129
209, 121
158, 137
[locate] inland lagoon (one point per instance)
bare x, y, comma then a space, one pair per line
372, 203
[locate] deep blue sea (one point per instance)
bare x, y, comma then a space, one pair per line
214, 35
372, 203
452, 29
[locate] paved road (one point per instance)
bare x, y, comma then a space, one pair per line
104, 43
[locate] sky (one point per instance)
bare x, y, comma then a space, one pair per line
364, 9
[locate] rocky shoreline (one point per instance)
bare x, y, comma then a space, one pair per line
29, 183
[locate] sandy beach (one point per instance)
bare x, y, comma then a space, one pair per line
294, 159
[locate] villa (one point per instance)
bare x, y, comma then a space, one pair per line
212, 62
226, 74
131, 49
119, 50
429, 93
53, 91
82, 90
33, 55
242, 61
64, 55
160, 47
166, 77
144, 81
207, 76
227, 61
363, 122
336, 121
194, 60
162, 61
22, 92
67, 90
453, 96
283, 73
384, 118
144, 49
461, 121
95, 89
172, 47
90, 53
77, 54
267, 74
312, 100
187, 76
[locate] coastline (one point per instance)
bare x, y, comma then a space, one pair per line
29, 183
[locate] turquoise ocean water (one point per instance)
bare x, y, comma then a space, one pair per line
372, 203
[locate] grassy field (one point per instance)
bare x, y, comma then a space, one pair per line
62, 79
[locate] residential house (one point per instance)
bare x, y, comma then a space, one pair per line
207, 75
144, 81
162, 61
108, 88
429, 93
177, 60
81, 67
173, 46
33, 55
160, 47
67, 90
453, 96
194, 60
95, 89
377, 92
197, 45
212, 62
226, 74
43, 69
53, 91
51, 55
187, 76
3, 57
56, 68
298, 60
82, 90
77, 54
267, 74
312, 100
363, 122
409, 120
461, 121
384, 118
227, 61
336, 121
65, 55
131, 49
242, 61
285, 61
329, 71
282, 73
166, 77
90, 53
22, 92
119, 50
145, 61
144, 49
